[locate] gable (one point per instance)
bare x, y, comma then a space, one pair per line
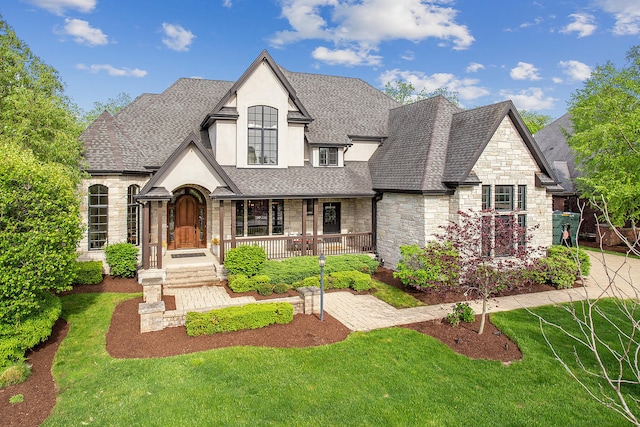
190, 167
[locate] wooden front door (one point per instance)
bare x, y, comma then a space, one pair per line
187, 230
331, 218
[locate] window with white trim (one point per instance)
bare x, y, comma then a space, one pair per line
328, 156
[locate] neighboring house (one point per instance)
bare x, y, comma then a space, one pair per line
302, 164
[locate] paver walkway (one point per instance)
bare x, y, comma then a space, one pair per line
366, 312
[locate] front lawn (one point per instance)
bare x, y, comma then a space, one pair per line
387, 377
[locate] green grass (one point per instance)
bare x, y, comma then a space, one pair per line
395, 377
589, 248
394, 296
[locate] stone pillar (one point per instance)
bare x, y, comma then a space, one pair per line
151, 316
311, 299
152, 289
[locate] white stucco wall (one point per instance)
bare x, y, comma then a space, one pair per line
190, 168
361, 151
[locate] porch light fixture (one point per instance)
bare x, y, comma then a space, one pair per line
322, 260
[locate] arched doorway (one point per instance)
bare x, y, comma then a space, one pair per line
187, 220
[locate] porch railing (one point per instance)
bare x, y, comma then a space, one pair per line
280, 247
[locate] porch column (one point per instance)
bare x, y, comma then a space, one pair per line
315, 227
303, 244
160, 235
233, 223
374, 222
146, 221
221, 228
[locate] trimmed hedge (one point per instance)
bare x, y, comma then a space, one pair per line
88, 273
296, 269
15, 340
122, 259
228, 319
245, 260
240, 283
355, 280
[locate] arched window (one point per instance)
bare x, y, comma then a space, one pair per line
133, 215
263, 135
98, 218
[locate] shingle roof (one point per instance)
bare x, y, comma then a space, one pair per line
413, 157
552, 140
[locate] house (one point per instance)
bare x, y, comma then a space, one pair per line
302, 164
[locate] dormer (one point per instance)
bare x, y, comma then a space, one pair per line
328, 154
260, 122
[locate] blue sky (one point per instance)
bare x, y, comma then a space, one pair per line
536, 53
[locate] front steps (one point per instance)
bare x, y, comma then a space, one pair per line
189, 276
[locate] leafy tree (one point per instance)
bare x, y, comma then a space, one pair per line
34, 113
405, 93
534, 121
39, 175
113, 105
606, 126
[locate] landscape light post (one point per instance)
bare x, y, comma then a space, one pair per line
322, 261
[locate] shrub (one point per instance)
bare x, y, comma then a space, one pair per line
259, 280
436, 265
462, 312
240, 283
280, 288
296, 269
265, 289
556, 271
311, 281
16, 339
574, 254
122, 259
14, 373
228, 319
351, 279
245, 260
88, 273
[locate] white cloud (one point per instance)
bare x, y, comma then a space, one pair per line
474, 67
583, 24
176, 37
575, 69
59, 6
535, 22
524, 71
468, 89
530, 99
83, 33
557, 80
227, 3
409, 55
112, 71
347, 57
626, 14
364, 24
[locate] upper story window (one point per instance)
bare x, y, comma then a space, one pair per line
522, 197
98, 209
504, 198
263, 135
486, 197
133, 230
328, 156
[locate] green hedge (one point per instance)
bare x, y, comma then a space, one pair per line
355, 280
573, 254
15, 340
88, 273
245, 260
296, 269
122, 259
250, 316
239, 283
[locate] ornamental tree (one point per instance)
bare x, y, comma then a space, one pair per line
606, 137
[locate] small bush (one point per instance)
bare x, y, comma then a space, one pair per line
355, 280
555, 271
14, 373
462, 312
240, 283
311, 281
17, 398
228, 319
245, 260
265, 289
88, 273
280, 288
574, 254
260, 280
122, 259
16, 339
296, 269
434, 266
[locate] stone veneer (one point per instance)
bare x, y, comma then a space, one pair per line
405, 219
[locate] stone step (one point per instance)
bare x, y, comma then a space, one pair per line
193, 282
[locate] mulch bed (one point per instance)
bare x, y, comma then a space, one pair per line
124, 340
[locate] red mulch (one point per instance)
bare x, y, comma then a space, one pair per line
124, 340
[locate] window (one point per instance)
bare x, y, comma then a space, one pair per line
257, 217
309, 207
133, 215
328, 156
239, 218
98, 208
522, 197
486, 197
504, 198
277, 217
503, 235
263, 135
522, 231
